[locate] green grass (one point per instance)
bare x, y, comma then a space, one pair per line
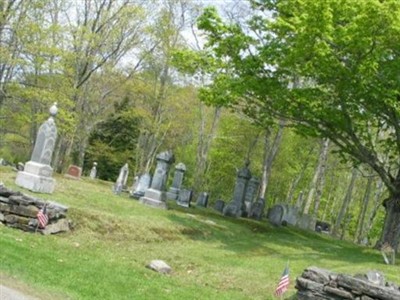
212, 257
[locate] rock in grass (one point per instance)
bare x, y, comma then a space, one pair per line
159, 266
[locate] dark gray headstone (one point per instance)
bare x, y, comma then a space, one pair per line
184, 198
173, 192
164, 160
257, 209
202, 200
251, 192
276, 214
219, 205
156, 196
236, 208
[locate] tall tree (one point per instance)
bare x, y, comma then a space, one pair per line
345, 56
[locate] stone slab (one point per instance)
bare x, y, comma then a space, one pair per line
35, 183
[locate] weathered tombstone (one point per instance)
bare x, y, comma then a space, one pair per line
173, 191
219, 205
184, 198
120, 184
292, 215
73, 172
202, 200
93, 171
141, 186
236, 207
276, 214
257, 209
37, 172
251, 193
156, 195
306, 222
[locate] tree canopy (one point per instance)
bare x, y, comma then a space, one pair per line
330, 67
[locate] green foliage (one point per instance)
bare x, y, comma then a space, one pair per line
327, 65
113, 142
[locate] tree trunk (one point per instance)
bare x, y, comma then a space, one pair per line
361, 217
204, 145
321, 181
346, 203
391, 228
269, 156
296, 181
318, 177
377, 204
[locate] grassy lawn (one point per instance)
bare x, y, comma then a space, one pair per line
212, 257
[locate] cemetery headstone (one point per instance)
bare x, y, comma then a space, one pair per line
219, 205
257, 209
250, 194
73, 172
120, 184
173, 191
141, 186
93, 171
306, 222
202, 200
184, 198
276, 214
292, 215
37, 173
236, 207
156, 195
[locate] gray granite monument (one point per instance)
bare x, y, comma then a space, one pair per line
173, 191
202, 200
156, 195
184, 198
37, 174
257, 209
276, 214
219, 205
93, 171
120, 184
236, 208
140, 186
251, 193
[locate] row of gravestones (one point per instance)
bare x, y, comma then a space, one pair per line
37, 177
283, 214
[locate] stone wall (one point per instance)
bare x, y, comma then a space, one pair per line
316, 283
18, 210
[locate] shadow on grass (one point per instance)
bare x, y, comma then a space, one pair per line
248, 237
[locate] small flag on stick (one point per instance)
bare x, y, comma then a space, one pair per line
42, 217
283, 284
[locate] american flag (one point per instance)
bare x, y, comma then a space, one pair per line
42, 217
283, 283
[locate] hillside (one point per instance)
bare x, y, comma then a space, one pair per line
212, 257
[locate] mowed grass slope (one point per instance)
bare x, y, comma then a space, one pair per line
212, 257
